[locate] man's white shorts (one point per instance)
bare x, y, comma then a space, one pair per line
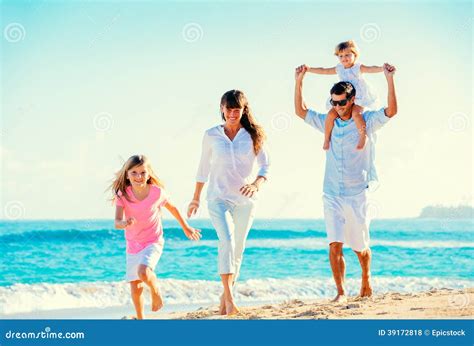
347, 220
149, 256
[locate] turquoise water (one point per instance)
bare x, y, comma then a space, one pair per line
89, 251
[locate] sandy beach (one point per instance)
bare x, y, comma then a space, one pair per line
433, 304
441, 303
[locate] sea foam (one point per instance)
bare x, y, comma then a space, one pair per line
24, 298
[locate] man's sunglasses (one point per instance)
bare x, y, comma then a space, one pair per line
340, 103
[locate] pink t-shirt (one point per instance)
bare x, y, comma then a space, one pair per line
148, 229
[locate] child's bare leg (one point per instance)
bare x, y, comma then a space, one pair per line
149, 278
328, 126
360, 124
137, 298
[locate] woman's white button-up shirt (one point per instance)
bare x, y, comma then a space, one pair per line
228, 164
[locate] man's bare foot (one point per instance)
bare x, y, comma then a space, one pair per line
222, 306
231, 308
326, 145
340, 298
365, 289
156, 300
361, 143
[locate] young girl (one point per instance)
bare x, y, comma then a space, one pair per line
350, 71
139, 194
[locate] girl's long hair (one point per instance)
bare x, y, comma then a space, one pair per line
237, 99
121, 183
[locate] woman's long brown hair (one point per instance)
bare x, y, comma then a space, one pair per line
237, 99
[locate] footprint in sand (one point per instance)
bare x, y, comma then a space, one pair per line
351, 306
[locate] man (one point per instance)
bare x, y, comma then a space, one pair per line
348, 174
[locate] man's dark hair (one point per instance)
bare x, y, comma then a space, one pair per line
343, 88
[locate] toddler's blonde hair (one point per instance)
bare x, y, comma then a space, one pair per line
345, 45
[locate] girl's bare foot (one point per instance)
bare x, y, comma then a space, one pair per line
156, 300
326, 145
361, 143
222, 306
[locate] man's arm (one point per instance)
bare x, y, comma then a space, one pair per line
392, 108
300, 106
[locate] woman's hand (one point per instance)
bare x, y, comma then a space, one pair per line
249, 190
192, 233
193, 207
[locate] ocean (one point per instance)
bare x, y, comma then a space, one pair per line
52, 265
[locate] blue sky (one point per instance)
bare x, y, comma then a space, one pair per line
87, 84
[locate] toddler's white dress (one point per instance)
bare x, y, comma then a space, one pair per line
364, 95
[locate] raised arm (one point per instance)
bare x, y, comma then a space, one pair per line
322, 70
300, 106
371, 69
392, 107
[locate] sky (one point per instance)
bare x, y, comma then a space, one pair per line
85, 85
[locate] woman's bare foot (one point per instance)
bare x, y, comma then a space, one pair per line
156, 300
231, 308
340, 298
361, 143
222, 306
326, 145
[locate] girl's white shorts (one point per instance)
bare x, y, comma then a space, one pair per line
149, 256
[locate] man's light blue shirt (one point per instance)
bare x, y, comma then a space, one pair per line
349, 171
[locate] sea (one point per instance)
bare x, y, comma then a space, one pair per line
80, 264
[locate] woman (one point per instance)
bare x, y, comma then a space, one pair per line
229, 152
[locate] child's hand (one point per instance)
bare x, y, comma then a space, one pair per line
388, 70
192, 233
193, 208
131, 221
